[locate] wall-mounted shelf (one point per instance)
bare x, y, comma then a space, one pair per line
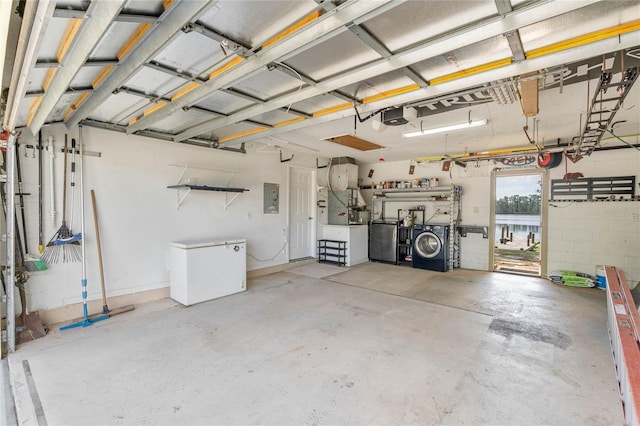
187, 187
444, 190
594, 189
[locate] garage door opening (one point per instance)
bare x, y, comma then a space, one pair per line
518, 223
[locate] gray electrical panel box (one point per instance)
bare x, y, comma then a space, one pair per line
271, 198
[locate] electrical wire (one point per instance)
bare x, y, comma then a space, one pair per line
432, 216
563, 207
299, 77
622, 140
271, 258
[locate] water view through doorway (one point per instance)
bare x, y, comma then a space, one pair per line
517, 224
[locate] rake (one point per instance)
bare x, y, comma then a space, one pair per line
64, 245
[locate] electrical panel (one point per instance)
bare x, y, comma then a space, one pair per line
271, 198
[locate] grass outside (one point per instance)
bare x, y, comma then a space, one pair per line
518, 261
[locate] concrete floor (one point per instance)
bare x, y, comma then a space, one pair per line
320, 344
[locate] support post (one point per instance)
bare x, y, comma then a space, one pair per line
11, 241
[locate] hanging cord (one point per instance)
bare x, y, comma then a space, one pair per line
299, 77
433, 215
622, 140
271, 258
563, 207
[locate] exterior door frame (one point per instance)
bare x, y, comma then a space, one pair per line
313, 198
544, 209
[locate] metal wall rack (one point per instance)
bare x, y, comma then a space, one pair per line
617, 188
451, 194
404, 246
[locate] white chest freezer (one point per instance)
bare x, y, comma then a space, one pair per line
202, 270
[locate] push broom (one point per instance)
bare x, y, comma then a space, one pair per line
86, 321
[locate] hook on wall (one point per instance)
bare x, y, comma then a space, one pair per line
285, 159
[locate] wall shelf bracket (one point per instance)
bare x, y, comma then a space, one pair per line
464, 230
187, 185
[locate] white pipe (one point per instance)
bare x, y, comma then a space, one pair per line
52, 212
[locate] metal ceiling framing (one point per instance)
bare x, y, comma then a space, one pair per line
81, 13
242, 90
489, 28
326, 26
36, 18
449, 89
95, 23
166, 28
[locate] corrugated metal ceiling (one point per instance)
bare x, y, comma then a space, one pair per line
236, 71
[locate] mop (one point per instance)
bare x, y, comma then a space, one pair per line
86, 321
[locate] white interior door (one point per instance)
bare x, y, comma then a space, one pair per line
301, 218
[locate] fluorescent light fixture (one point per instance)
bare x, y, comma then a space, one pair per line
464, 125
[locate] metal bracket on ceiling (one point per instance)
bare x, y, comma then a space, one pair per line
286, 159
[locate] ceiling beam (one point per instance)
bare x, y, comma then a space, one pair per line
79, 13
34, 25
53, 63
155, 99
188, 77
325, 27
515, 44
226, 42
154, 65
503, 6
70, 91
163, 33
423, 96
487, 29
367, 38
100, 15
202, 142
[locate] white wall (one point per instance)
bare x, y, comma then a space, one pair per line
138, 215
580, 235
